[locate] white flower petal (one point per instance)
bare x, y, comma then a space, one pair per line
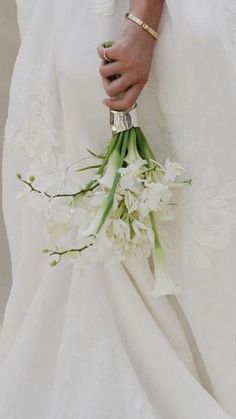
172, 170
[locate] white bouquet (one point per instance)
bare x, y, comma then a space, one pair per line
116, 213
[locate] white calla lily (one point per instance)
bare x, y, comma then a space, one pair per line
111, 170
164, 284
130, 175
132, 153
150, 198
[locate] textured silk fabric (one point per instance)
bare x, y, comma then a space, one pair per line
97, 345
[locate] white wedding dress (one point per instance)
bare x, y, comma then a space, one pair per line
101, 346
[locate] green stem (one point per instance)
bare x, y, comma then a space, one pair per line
61, 254
98, 156
154, 229
145, 149
83, 169
91, 185
33, 189
123, 140
148, 149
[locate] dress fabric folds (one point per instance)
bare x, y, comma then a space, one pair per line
97, 344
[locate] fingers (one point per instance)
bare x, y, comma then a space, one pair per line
110, 52
124, 90
110, 69
118, 86
126, 101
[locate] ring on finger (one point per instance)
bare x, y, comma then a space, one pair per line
106, 58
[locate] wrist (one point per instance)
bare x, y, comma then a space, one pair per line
147, 10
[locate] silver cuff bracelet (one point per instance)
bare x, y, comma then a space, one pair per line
123, 120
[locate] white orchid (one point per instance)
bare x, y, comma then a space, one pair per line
130, 199
172, 171
121, 230
139, 227
131, 175
150, 198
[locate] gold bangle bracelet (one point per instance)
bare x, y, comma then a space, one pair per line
142, 24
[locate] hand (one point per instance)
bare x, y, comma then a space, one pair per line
131, 57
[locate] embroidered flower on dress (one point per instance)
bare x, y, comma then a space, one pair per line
209, 215
103, 7
231, 19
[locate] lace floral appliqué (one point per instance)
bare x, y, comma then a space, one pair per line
209, 216
231, 20
103, 7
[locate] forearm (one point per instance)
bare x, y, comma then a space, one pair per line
148, 10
